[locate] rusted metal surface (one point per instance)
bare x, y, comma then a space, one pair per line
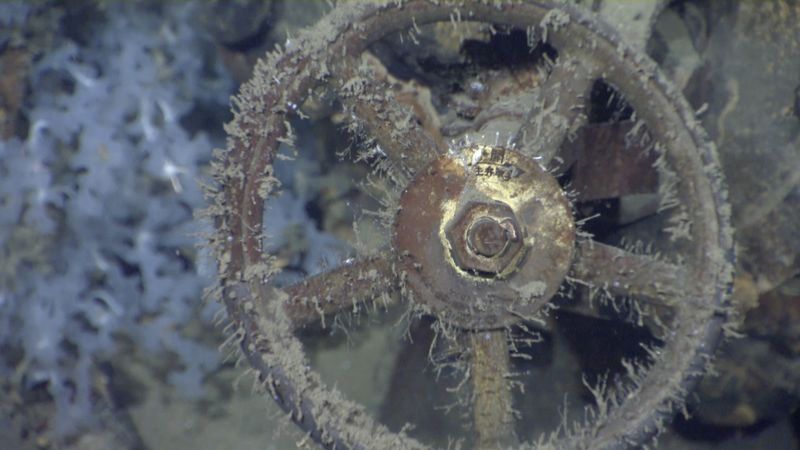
490, 238
559, 109
395, 128
347, 287
610, 165
492, 408
485, 238
625, 273
431, 228
536, 200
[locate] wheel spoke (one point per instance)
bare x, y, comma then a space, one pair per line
558, 111
395, 128
609, 164
347, 287
492, 408
643, 277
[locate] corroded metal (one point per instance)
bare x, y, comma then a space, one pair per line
492, 408
444, 201
347, 287
559, 109
491, 238
485, 239
438, 192
375, 106
625, 273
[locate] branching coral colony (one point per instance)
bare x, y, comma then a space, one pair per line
103, 187
456, 209
98, 243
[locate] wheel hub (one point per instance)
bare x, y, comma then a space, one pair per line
486, 237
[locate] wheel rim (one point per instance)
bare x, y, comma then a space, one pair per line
264, 326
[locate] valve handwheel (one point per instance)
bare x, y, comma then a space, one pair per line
484, 236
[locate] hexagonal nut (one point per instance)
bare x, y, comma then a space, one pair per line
462, 252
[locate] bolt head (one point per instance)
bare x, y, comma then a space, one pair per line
490, 237
485, 239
